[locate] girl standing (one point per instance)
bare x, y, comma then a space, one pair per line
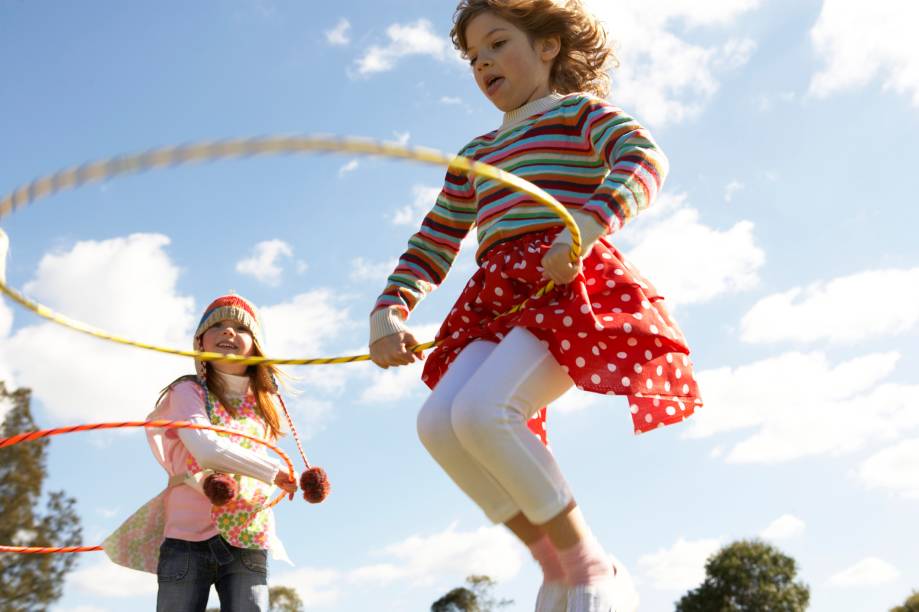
544, 63
188, 542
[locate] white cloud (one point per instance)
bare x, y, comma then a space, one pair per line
348, 168
262, 264
731, 189
105, 579
423, 559
664, 77
450, 100
401, 382
843, 310
126, 285
862, 41
785, 527
317, 587
868, 572
896, 467
372, 271
416, 38
402, 138
680, 567
338, 35
423, 197
690, 262
798, 404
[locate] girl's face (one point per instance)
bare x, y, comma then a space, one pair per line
228, 337
508, 67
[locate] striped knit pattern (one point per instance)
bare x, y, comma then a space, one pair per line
587, 154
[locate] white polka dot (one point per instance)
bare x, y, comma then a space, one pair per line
596, 351
598, 326
638, 316
608, 319
678, 373
618, 272
611, 367
582, 335
598, 267
499, 291
649, 418
540, 317
455, 336
626, 297
632, 342
634, 408
565, 368
606, 256
471, 283
626, 381
617, 310
685, 361
671, 410
669, 358
685, 389
610, 284
465, 319
645, 304
493, 267
649, 384
559, 310
595, 379
667, 386
580, 362
602, 345
653, 329
585, 308
567, 321
596, 305
621, 355
649, 355
656, 402
658, 343
660, 370
591, 282
628, 328
565, 345
637, 368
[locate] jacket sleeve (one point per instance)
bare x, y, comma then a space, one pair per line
211, 450
637, 166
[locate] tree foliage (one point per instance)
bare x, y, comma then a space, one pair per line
284, 599
910, 605
30, 582
475, 597
748, 576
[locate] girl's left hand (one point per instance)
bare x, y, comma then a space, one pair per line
557, 265
288, 484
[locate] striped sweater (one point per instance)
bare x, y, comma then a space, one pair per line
593, 158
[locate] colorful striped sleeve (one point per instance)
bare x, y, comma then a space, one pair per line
637, 166
432, 250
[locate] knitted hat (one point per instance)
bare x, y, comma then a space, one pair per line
229, 307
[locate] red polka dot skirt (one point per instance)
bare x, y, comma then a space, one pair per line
608, 329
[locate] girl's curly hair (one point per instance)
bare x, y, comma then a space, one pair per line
585, 56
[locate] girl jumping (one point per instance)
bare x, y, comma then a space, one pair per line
604, 329
180, 535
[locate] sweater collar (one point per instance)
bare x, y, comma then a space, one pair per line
234, 385
541, 105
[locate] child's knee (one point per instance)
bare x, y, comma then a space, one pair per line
472, 415
433, 423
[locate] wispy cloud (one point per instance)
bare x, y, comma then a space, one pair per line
348, 168
783, 528
895, 468
339, 35
868, 572
262, 263
417, 38
680, 567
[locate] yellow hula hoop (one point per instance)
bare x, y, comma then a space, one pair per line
96, 171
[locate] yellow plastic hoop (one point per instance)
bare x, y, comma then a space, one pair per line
96, 171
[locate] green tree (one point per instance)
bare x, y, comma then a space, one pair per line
476, 598
30, 582
910, 605
284, 599
748, 576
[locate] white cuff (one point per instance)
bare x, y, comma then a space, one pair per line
590, 229
385, 322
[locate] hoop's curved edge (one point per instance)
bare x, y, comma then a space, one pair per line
159, 424
103, 169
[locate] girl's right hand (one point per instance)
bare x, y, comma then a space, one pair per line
285, 482
393, 350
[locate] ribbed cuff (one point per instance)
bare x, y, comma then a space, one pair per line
590, 229
385, 322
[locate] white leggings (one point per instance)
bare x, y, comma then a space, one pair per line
474, 425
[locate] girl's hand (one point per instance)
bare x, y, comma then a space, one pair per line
285, 482
393, 350
557, 265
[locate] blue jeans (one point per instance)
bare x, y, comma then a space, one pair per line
187, 570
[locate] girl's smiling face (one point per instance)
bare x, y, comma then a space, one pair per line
228, 337
508, 67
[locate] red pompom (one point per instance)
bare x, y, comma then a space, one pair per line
315, 485
221, 489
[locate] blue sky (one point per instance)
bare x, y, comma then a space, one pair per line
784, 241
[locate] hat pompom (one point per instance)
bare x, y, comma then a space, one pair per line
221, 489
314, 483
